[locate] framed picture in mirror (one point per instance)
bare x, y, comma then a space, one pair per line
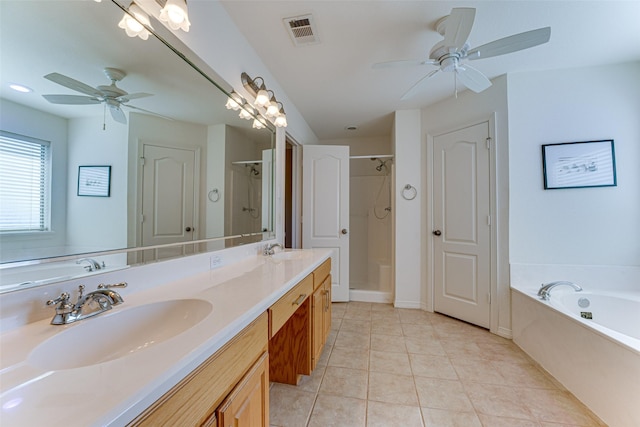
94, 181
579, 164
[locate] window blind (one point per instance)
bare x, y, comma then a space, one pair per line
25, 171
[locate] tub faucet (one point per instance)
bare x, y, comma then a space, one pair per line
269, 249
93, 264
88, 305
545, 289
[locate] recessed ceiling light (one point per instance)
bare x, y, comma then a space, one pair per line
351, 127
20, 88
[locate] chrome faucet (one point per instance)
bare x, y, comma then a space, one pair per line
269, 249
545, 289
104, 299
93, 264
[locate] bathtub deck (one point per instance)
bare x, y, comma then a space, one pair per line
382, 365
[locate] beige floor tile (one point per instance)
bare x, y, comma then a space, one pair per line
425, 365
359, 305
498, 401
557, 406
442, 394
353, 339
419, 345
311, 383
336, 323
393, 363
523, 375
386, 308
345, 382
387, 415
356, 325
477, 370
338, 309
414, 316
358, 315
392, 388
346, 357
324, 356
390, 343
386, 327
289, 407
418, 330
444, 418
491, 421
508, 352
331, 339
338, 411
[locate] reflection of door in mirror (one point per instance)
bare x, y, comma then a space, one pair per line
169, 182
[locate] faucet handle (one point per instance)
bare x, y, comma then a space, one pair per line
115, 285
63, 298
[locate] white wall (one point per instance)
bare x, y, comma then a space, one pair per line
97, 223
26, 121
585, 225
409, 250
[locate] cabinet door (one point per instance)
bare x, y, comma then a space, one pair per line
327, 309
248, 403
319, 304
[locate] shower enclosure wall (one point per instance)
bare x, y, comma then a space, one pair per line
370, 214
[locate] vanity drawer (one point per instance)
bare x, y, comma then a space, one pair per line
321, 273
284, 308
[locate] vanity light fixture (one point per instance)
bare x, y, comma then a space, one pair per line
281, 118
175, 14
272, 108
234, 102
247, 112
135, 21
258, 123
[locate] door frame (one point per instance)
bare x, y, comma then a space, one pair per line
428, 219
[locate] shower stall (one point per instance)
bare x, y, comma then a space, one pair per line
246, 202
370, 218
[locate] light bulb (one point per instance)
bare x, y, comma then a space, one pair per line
272, 109
262, 98
132, 22
175, 14
257, 124
233, 102
244, 114
281, 120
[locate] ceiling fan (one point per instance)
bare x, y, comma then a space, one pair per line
111, 95
451, 54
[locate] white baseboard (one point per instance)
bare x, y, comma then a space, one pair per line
369, 296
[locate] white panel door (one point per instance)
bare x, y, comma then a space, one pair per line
168, 182
461, 229
325, 209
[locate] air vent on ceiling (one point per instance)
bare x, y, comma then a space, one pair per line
302, 30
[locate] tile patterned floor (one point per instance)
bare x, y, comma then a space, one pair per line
396, 367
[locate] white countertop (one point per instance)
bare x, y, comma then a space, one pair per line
115, 392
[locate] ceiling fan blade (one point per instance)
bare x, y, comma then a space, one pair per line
147, 111
71, 99
472, 78
73, 84
403, 63
413, 89
117, 113
130, 96
458, 26
512, 43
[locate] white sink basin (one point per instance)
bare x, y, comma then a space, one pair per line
290, 255
117, 334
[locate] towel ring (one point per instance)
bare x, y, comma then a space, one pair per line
214, 195
409, 192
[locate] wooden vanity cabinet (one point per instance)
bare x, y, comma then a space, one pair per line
231, 384
321, 309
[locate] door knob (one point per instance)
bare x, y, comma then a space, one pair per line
437, 232
187, 229
344, 231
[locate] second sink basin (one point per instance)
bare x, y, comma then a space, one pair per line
113, 335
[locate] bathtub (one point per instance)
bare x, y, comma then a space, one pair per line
589, 341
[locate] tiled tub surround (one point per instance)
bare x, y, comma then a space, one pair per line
114, 392
599, 366
399, 367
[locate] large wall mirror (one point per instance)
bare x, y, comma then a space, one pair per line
167, 166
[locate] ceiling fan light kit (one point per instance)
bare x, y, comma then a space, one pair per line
451, 54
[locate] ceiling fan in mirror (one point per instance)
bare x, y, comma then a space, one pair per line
111, 95
452, 53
